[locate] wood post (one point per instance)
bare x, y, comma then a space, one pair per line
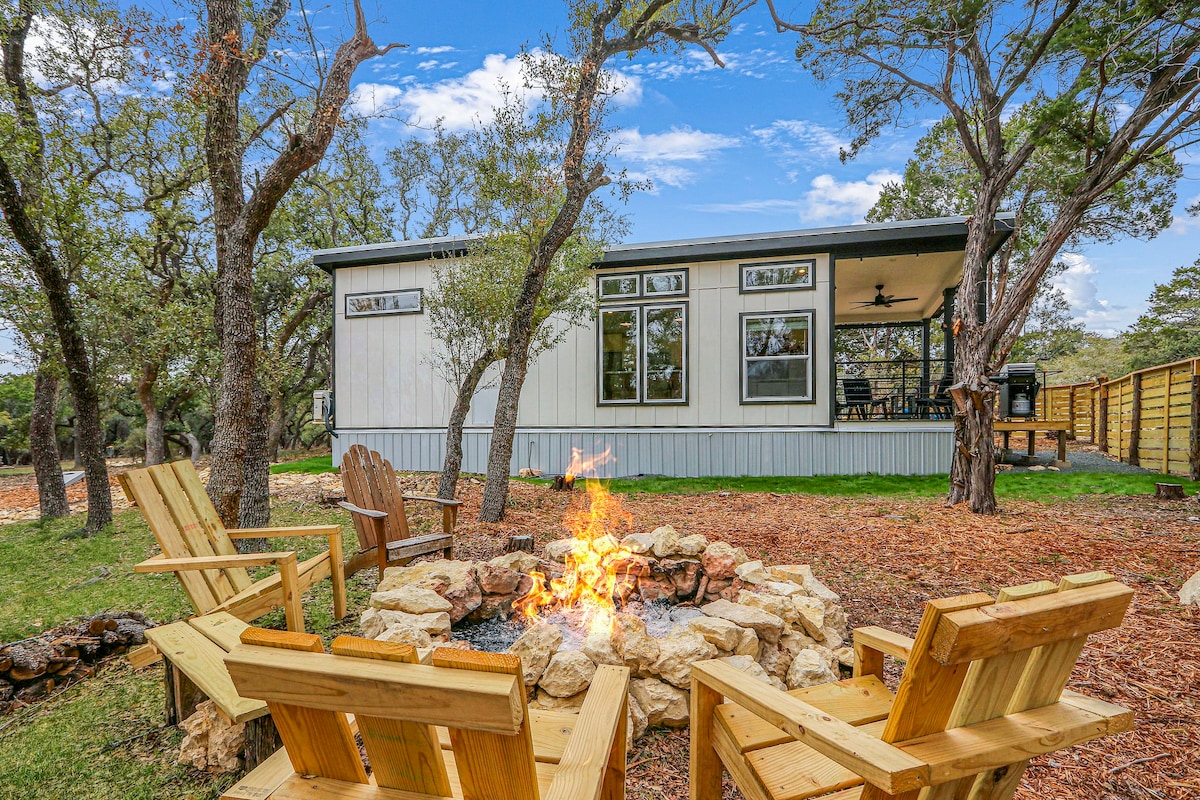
705, 768
1071, 409
1135, 425
1100, 420
1194, 438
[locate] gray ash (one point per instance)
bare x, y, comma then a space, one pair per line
492, 635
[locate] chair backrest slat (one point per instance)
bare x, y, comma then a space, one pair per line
353, 481
988, 659
370, 482
190, 529
389, 496
404, 755
162, 524
491, 766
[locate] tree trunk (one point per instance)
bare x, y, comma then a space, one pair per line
156, 432
452, 466
194, 447
43, 445
278, 423
254, 510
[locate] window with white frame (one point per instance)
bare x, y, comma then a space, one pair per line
777, 357
643, 354
774, 276
371, 304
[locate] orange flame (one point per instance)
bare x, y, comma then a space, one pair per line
597, 567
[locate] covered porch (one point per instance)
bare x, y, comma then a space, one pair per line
893, 358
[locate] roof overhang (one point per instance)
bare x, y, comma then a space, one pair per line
946, 234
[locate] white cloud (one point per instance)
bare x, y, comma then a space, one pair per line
800, 140
831, 200
1078, 285
432, 51
466, 100
661, 157
769, 206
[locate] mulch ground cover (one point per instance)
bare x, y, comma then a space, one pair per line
888, 557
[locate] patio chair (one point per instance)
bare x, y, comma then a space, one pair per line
860, 397
486, 745
982, 693
199, 550
935, 404
377, 508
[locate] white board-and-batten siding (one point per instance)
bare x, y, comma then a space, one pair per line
390, 398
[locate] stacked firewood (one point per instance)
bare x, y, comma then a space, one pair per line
33, 667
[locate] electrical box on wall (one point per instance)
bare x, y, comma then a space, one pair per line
322, 405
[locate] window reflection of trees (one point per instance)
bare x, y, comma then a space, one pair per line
620, 372
664, 353
777, 336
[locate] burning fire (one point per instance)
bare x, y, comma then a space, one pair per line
597, 565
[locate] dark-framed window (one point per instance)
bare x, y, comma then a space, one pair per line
643, 354
373, 304
643, 285
777, 364
777, 276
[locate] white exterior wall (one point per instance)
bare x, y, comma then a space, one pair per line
383, 379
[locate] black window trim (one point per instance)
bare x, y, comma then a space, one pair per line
812, 370
641, 309
789, 287
420, 309
641, 285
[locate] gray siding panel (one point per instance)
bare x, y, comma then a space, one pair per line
682, 453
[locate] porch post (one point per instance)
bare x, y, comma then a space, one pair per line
948, 297
926, 386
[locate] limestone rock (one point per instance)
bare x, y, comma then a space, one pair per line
656, 586
637, 720
822, 592
684, 574
811, 612
768, 626
828, 656
559, 549
782, 588
796, 573
600, 649
665, 541
775, 660
662, 703
809, 669
845, 656
637, 648
833, 638
454, 580
721, 560
548, 702
518, 561
493, 605
535, 647
771, 603
568, 673
677, 653
794, 641
406, 633
411, 600
374, 621
211, 743
638, 543
749, 645
693, 545
498, 580
721, 633
1189, 593
753, 572
750, 667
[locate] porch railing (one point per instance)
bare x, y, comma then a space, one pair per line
902, 388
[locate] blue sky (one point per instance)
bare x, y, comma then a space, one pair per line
752, 147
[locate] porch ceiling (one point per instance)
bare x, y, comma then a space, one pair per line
921, 275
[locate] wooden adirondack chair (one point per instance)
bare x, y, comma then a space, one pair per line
489, 746
199, 550
377, 507
982, 693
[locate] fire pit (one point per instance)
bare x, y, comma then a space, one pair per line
655, 602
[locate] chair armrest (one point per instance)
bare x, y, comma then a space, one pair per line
438, 500
598, 739
160, 564
878, 762
366, 512
885, 641
274, 533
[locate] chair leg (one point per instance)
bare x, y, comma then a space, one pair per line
337, 575
704, 772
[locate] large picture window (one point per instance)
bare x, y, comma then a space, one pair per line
777, 357
643, 354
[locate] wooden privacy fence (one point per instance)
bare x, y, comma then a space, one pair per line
1148, 418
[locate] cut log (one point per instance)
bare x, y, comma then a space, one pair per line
1168, 491
29, 660
519, 543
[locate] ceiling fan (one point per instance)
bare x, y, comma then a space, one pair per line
884, 300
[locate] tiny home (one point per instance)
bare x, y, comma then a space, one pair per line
748, 354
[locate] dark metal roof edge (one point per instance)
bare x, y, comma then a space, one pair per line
867, 239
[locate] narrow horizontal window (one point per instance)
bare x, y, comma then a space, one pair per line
661, 284
634, 285
777, 357
370, 304
778, 276
618, 286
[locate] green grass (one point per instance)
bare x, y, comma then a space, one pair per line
1043, 486
315, 465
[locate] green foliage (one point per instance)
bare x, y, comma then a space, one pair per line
1170, 329
16, 403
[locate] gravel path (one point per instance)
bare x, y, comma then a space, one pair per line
1081, 461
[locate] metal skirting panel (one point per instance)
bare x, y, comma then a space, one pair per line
680, 453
